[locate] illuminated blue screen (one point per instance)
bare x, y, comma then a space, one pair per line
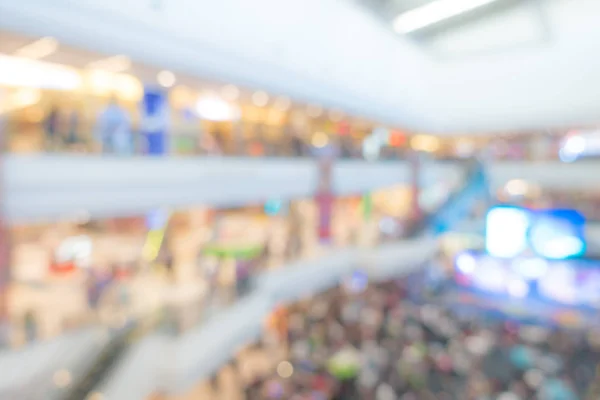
553, 234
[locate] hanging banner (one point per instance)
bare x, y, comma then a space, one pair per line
155, 120
325, 199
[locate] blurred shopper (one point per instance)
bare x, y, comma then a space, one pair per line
51, 127
380, 344
298, 145
30, 326
72, 138
113, 131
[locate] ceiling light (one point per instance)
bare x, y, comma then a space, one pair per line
260, 99
283, 103
166, 79
20, 72
112, 64
39, 49
214, 108
434, 12
230, 92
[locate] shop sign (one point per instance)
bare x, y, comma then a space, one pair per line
74, 252
155, 120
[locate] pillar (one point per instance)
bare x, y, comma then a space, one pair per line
415, 183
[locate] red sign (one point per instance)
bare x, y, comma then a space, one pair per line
397, 139
65, 267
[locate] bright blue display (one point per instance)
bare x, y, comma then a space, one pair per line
552, 234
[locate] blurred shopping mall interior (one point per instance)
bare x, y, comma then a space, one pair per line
317, 199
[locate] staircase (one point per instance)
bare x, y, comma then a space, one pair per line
109, 356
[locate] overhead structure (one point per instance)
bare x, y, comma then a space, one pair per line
450, 66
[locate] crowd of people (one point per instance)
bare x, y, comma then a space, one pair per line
380, 343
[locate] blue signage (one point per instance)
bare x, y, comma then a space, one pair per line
155, 120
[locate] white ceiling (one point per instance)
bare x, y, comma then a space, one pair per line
334, 53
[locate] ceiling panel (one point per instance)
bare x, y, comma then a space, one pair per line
333, 53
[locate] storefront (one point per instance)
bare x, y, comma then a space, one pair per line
64, 274
53, 107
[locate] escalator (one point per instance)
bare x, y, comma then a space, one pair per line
458, 205
109, 357
102, 365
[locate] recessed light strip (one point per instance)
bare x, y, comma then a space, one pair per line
39, 49
435, 12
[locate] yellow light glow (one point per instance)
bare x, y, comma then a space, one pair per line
181, 96
320, 139
425, 143
26, 97
35, 115
260, 98
127, 87
274, 117
100, 82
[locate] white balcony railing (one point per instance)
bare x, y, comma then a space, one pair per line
43, 188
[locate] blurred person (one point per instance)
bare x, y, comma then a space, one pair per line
51, 128
297, 144
113, 130
30, 324
72, 138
